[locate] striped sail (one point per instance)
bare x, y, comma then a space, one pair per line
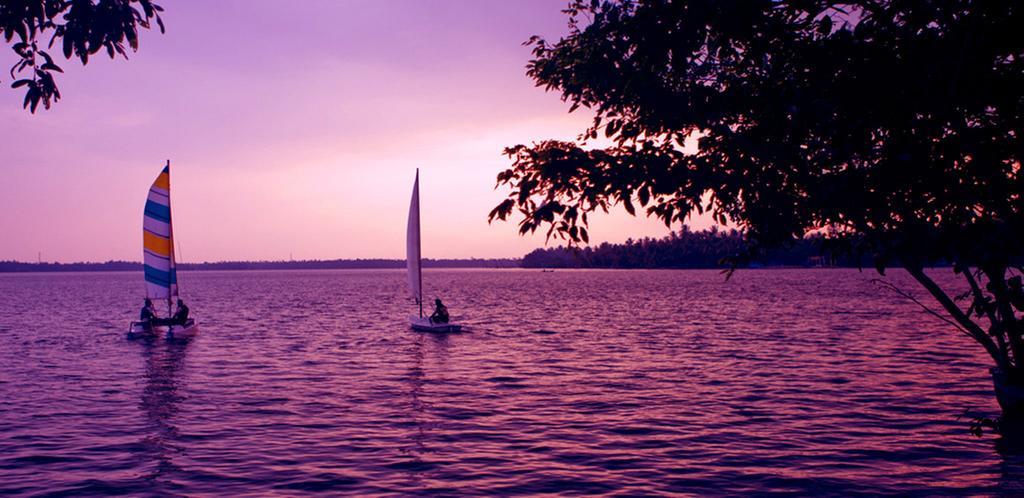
157, 240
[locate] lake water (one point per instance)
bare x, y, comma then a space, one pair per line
652, 382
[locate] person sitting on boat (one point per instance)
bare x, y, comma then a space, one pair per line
148, 313
440, 312
181, 315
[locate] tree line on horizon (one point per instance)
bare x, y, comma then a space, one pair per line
711, 248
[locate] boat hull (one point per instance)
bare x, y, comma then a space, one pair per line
141, 330
425, 325
186, 331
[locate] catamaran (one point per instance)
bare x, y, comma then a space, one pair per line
413, 264
158, 257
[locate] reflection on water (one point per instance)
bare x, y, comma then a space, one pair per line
645, 383
163, 361
418, 450
1010, 446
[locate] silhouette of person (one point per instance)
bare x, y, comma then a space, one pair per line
440, 312
148, 313
181, 315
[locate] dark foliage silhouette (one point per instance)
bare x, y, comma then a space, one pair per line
80, 28
896, 127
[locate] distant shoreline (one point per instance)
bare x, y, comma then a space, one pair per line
337, 264
710, 249
10, 267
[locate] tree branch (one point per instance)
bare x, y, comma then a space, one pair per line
965, 321
995, 326
997, 281
936, 314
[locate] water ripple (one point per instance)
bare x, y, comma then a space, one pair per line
641, 383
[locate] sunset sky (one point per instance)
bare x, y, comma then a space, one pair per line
292, 128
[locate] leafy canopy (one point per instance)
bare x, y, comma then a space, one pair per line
82, 28
895, 123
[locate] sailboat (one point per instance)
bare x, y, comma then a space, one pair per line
161, 274
414, 265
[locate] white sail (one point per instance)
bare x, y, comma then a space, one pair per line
412, 243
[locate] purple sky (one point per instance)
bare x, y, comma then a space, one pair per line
292, 128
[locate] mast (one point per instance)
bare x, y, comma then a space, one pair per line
170, 232
419, 243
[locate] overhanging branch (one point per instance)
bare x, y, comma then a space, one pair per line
961, 318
